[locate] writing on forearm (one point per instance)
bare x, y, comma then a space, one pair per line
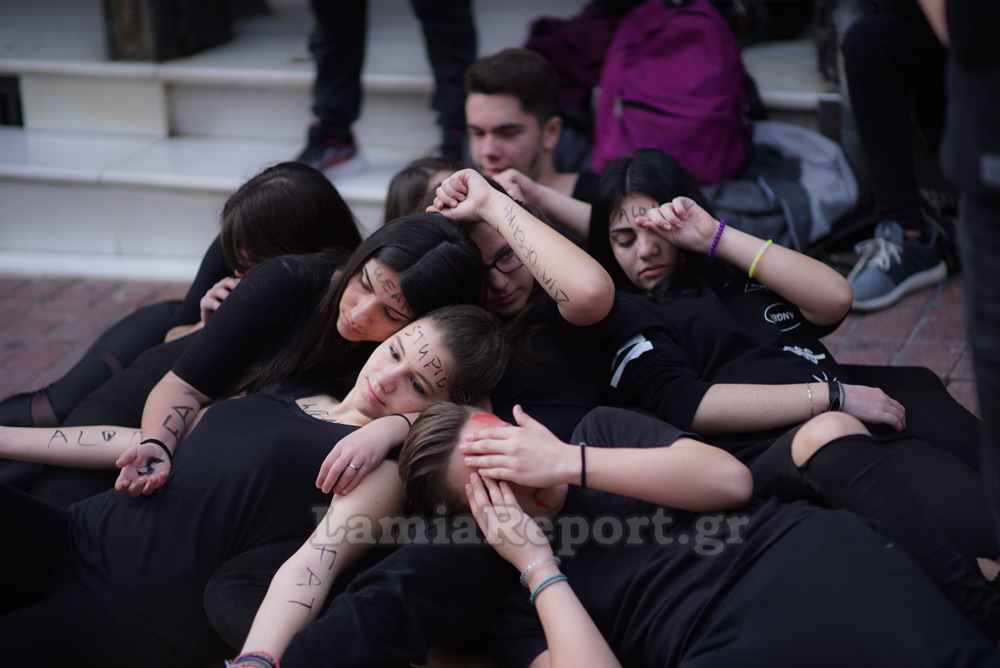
530, 256
177, 421
60, 436
312, 580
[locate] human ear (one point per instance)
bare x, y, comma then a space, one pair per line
550, 133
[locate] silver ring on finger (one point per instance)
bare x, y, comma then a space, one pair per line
352, 466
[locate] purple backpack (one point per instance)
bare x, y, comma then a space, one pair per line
673, 80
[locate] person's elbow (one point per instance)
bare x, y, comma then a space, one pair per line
734, 485
842, 300
592, 300
836, 304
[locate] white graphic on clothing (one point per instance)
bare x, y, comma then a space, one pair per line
632, 349
782, 314
806, 353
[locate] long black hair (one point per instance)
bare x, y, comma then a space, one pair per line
437, 265
657, 175
287, 209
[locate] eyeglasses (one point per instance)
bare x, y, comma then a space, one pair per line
506, 263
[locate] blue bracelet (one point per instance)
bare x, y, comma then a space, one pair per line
254, 660
551, 581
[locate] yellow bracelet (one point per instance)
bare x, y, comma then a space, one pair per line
812, 407
760, 254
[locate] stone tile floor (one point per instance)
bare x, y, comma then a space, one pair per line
47, 323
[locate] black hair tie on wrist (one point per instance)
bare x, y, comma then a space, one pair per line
170, 456
404, 417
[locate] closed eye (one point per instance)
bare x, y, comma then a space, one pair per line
622, 239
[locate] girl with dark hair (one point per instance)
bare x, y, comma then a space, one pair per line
121, 581
412, 183
286, 209
289, 315
555, 300
726, 343
294, 315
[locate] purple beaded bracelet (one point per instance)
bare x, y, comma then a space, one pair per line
715, 241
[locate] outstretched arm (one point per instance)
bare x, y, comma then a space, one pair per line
740, 408
821, 293
582, 289
300, 586
96, 447
687, 474
563, 209
169, 413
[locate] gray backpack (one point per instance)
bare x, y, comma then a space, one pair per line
796, 185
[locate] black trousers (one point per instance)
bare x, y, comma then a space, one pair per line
889, 62
979, 221
337, 44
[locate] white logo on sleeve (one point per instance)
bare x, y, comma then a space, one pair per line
632, 349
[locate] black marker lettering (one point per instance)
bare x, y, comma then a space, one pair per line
58, 435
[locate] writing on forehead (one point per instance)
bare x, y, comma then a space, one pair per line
431, 362
388, 285
635, 211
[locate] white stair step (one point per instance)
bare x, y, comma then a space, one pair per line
123, 167
136, 199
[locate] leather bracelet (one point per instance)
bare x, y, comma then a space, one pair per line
835, 404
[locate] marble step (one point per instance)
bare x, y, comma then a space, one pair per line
124, 167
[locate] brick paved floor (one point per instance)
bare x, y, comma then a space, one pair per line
47, 323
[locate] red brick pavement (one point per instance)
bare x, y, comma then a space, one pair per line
47, 323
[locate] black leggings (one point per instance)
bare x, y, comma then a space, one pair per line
929, 501
114, 350
119, 402
780, 614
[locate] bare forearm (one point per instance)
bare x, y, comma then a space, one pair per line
91, 447
579, 285
688, 475
736, 408
572, 636
820, 292
170, 410
563, 209
301, 585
